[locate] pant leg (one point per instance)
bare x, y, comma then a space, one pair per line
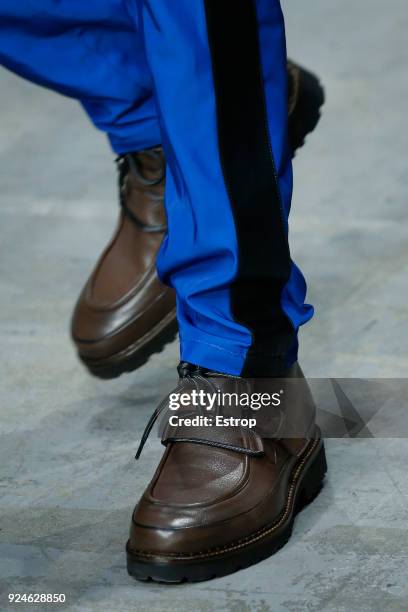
89, 50
219, 71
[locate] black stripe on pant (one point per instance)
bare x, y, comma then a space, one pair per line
250, 176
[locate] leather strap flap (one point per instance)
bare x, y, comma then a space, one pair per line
237, 439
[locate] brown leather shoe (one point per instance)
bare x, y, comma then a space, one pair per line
224, 498
124, 314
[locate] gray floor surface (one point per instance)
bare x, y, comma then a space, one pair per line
68, 480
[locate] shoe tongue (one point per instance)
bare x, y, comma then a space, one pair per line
142, 190
185, 369
150, 163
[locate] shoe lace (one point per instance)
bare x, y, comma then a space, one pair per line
195, 379
131, 163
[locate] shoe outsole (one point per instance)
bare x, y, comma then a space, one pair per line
136, 355
245, 553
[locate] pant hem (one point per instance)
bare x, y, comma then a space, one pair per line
233, 359
122, 146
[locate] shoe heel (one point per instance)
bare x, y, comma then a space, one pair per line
313, 480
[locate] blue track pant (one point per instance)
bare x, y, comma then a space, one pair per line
207, 80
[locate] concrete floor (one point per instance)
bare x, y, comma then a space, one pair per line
68, 480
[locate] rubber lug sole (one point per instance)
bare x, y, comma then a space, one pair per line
135, 355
